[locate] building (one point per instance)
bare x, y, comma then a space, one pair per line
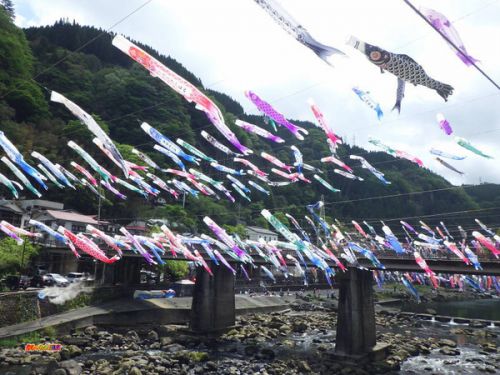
137, 227
256, 233
70, 220
11, 212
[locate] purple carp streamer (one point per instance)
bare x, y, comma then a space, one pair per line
251, 128
444, 124
295, 29
181, 86
274, 115
446, 28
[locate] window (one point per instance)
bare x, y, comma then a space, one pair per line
77, 228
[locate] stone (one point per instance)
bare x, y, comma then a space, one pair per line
153, 336
90, 331
267, 354
449, 351
71, 366
80, 340
477, 324
59, 371
173, 348
303, 366
446, 342
211, 366
132, 335
166, 341
135, 371
251, 350
117, 339
299, 327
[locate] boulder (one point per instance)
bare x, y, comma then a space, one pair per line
117, 339
251, 350
132, 335
90, 331
477, 324
71, 366
153, 336
449, 351
135, 371
448, 343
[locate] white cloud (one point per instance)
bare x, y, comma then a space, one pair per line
236, 46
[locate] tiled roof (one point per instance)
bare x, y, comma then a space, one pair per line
72, 216
262, 230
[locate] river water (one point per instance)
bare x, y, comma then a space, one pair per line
488, 309
472, 360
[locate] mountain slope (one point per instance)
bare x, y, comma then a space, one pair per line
122, 95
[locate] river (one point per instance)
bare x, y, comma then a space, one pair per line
488, 309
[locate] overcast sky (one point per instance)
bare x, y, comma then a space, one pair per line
233, 46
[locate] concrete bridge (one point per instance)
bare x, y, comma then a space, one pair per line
213, 304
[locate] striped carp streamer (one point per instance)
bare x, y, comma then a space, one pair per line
403, 67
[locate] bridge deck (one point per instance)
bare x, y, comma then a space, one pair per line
403, 263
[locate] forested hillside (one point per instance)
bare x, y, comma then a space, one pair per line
121, 95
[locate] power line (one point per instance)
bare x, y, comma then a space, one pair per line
440, 214
451, 43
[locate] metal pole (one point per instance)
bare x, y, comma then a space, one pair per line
450, 42
98, 227
24, 244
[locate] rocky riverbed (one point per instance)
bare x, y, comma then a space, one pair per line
298, 341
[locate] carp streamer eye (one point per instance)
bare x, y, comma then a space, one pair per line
375, 55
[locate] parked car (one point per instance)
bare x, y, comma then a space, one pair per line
76, 276
58, 280
39, 281
40, 269
15, 282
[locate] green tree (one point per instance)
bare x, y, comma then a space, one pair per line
9, 8
238, 229
175, 269
11, 255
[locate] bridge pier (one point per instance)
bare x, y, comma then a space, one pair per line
213, 306
356, 335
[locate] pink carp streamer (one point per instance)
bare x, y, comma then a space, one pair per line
181, 86
276, 161
320, 118
83, 244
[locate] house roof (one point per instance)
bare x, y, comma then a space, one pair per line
262, 231
72, 216
10, 206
